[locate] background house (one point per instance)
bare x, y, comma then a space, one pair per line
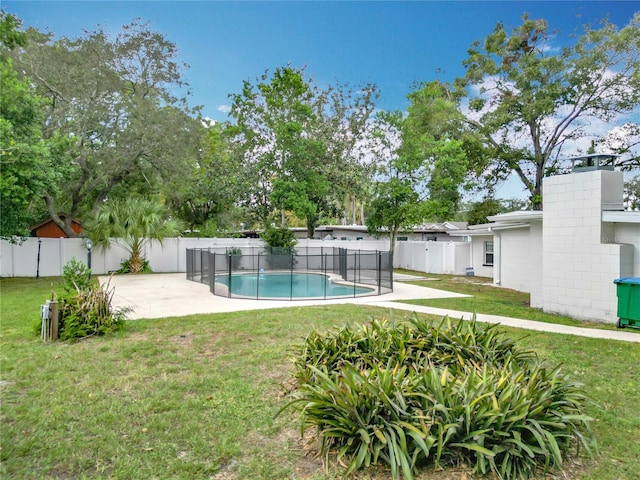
48, 229
567, 255
425, 232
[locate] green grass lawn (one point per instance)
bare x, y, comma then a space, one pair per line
195, 397
494, 300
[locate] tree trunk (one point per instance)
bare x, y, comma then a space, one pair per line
311, 227
536, 197
392, 240
65, 225
355, 211
136, 263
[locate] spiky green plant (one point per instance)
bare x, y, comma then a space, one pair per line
131, 223
408, 394
89, 312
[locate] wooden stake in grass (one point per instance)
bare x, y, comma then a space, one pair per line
53, 322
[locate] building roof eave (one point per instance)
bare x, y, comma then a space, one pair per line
620, 217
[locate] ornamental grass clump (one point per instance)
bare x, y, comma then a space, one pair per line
85, 308
413, 394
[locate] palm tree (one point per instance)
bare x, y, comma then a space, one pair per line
131, 223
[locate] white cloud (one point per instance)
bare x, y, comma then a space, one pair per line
207, 122
577, 138
224, 108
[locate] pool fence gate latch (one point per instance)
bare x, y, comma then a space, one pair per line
49, 317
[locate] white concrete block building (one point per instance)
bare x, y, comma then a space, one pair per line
568, 255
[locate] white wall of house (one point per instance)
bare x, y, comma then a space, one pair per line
520, 260
578, 269
629, 234
480, 268
535, 288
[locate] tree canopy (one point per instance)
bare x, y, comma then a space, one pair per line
420, 172
300, 144
112, 99
212, 185
100, 117
25, 156
522, 106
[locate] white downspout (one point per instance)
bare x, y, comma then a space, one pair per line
497, 261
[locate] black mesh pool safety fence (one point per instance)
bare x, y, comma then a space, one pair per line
300, 274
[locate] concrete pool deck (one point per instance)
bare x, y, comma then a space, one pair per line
172, 295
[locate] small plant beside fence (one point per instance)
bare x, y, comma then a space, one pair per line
83, 310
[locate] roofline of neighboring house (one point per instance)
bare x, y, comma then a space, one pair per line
517, 216
47, 220
444, 227
488, 229
523, 219
324, 228
502, 221
620, 217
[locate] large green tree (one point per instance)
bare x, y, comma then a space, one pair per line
419, 175
477, 212
632, 193
523, 105
114, 97
26, 159
299, 143
214, 183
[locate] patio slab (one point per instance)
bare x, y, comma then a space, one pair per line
171, 294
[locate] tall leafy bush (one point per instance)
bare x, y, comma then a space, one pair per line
410, 394
279, 246
85, 308
279, 240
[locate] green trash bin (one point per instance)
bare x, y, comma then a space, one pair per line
628, 301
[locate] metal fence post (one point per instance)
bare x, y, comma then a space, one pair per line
324, 257
291, 277
258, 279
229, 267
379, 273
212, 285
355, 265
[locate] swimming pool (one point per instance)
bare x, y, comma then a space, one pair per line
288, 285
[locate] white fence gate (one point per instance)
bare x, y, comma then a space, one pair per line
433, 257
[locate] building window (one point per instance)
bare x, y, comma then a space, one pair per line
488, 253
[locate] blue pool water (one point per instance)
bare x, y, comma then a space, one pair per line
287, 285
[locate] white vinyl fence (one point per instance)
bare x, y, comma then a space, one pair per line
46, 257
433, 257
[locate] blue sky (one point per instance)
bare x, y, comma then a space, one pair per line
391, 44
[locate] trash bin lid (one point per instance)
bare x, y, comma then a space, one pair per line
635, 280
